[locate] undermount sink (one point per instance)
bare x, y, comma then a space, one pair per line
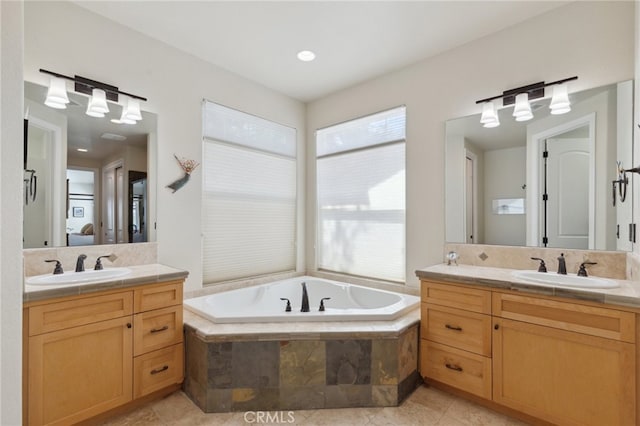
78, 277
551, 278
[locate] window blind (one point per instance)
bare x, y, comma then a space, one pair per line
249, 195
361, 196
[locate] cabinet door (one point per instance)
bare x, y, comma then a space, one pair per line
563, 377
79, 372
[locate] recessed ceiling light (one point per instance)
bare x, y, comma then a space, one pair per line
306, 55
82, 150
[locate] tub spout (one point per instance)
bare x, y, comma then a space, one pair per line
305, 299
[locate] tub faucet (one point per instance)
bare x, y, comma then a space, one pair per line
562, 265
305, 299
80, 263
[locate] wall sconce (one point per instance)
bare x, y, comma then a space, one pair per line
99, 93
521, 96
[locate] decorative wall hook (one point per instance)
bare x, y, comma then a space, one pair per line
188, 166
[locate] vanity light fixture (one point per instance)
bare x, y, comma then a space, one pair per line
99, 93
521, 96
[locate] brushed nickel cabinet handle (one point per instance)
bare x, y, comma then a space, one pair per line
158, 330
452, 327
160, 370
453, 367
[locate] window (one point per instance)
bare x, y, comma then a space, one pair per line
249, 195
361, 196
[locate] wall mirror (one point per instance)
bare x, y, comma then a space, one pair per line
86, 179
501, 187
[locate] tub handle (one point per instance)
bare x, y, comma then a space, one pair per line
321, 308
288, 308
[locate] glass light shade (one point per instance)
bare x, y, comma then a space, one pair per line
57, 94
522, 110
560, 103
489, 116
131, 110
97, 104
123, 119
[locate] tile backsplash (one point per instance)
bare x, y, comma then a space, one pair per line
610, 264
128, 255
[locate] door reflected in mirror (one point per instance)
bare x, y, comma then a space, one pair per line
564, 196
85, 178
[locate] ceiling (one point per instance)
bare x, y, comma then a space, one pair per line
354, 40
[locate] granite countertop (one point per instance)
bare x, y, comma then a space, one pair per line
140, 274
627, 294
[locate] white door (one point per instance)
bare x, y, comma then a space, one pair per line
567, 208
120, 206
109, 205
469, 201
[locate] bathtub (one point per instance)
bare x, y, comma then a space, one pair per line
262, 303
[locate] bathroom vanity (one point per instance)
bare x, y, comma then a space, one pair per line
93, 348
564, 356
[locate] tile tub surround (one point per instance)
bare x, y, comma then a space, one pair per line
611, 264
293, 370
128, 255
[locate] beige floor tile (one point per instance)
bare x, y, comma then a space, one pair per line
143, 416
432, 398
475, 415
340, 416
408, 414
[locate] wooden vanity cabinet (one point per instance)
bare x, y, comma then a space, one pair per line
553, 359
86, 355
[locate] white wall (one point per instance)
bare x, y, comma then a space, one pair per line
11, 116
504, 176
175, 84
593, 40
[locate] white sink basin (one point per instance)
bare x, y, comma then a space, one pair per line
78, 277
551, 278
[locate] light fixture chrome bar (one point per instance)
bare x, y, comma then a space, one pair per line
85, 85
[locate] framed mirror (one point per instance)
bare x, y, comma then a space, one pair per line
545, 182
86, 179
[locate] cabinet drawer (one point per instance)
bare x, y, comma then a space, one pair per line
158, 296
461, 369
158, 369
73, 313
592, 320
465, 330
469, 299
157, 329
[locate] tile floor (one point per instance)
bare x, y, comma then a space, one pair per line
425, 407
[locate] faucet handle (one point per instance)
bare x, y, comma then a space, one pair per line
321, 309
582, 271
99, 266
542, 267
288, 308
58, 269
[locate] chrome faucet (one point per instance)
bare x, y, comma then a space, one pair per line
562, 265
305, 299
80, 263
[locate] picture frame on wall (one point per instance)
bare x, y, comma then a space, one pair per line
78, 212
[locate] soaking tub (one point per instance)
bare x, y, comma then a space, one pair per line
262, 303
